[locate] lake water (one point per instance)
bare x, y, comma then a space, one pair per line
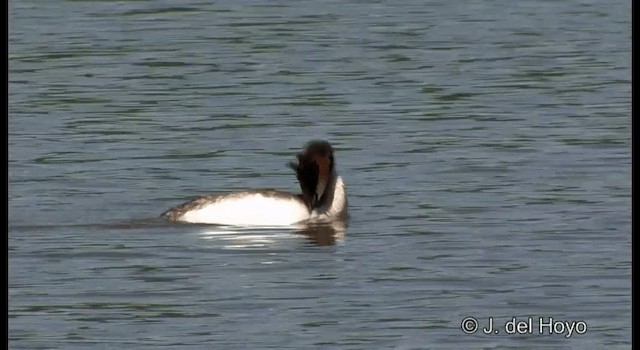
485, 146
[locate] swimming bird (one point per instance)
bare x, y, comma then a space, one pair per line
323, 198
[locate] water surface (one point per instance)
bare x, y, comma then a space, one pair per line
485, 147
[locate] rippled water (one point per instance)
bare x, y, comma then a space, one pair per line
485, 146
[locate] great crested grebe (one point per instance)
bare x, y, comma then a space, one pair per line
323, 198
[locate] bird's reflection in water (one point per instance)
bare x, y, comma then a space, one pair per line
239, 238
324, 234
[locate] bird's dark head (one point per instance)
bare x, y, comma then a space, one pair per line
314, 169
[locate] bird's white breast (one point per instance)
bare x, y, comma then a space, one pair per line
250, 210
